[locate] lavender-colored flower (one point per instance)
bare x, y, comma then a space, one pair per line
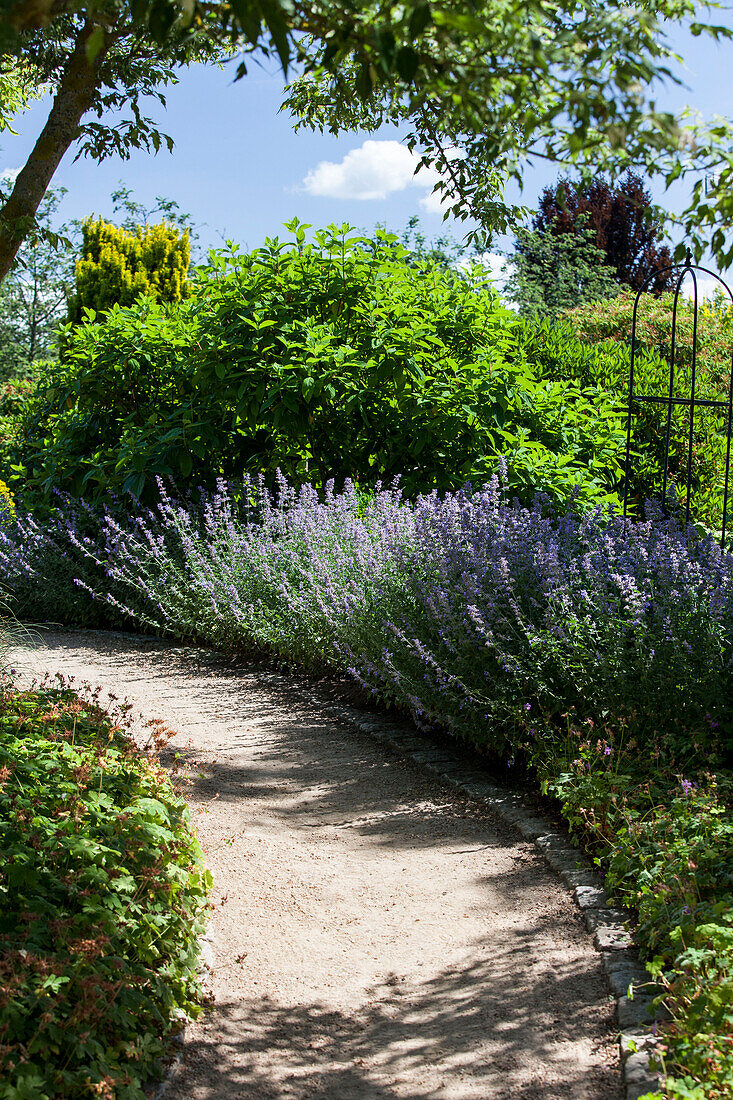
458, 608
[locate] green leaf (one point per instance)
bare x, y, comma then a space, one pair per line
420, 19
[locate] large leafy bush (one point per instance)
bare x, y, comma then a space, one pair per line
118, 405
336, 359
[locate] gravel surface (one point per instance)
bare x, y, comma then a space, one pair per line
374, 934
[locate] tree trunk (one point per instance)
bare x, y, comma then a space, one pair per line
75, 95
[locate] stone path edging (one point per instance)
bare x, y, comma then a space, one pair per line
621, 964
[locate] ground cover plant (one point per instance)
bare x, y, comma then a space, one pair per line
102, 896
598, 656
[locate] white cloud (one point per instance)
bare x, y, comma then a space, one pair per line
706, 286
435, 202
373, 171
9, 175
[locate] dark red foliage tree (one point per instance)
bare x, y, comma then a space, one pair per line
625, 228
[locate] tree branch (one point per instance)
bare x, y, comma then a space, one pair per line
443, 156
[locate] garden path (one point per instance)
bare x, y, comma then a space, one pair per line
375, 934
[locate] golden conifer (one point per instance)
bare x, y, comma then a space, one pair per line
118, 266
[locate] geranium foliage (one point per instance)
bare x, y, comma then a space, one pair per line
102, 896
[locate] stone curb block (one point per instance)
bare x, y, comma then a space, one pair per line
591, 897
638, 1077
633, 1042
531, 827
636, 1013
624, 971
579, 877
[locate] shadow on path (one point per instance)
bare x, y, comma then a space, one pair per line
473, 1021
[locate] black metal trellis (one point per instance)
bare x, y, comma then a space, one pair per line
692, 402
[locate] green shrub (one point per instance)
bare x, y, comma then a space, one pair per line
612, 320
14, 393
118, 266
567, 350
102, 894
99, 419
552, 271
332, 360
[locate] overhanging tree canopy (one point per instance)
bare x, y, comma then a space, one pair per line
483, 85
574, 83
96, 65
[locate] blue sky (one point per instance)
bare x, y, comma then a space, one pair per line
241, 171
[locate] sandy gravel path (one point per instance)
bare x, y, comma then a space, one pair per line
375, 934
